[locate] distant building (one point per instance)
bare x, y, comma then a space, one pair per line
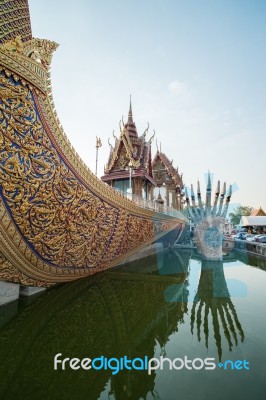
258, 213
257, 223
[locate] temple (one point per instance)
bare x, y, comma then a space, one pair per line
130, 168
168, 177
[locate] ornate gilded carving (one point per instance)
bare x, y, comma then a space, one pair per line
67, 227
40, 50
123, 154
43, 196
58, 222
32, 73
165, 174
9, 273
14, 20
14, 45
29, 61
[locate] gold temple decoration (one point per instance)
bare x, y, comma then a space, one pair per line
58, 221
165, 174
14, 20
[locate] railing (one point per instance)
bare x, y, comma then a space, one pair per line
152, 205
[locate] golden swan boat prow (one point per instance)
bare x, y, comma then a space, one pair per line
58, 221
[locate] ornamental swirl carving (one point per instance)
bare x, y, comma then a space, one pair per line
64, 223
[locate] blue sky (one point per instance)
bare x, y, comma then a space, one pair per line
195, 69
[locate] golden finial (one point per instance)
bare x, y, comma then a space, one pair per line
153, 138
146, 130
98, 142
114, 134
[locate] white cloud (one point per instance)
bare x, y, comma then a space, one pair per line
177, 87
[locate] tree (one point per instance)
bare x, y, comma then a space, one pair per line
236, 215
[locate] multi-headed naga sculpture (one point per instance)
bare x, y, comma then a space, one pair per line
209, 220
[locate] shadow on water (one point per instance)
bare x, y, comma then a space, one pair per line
116, 313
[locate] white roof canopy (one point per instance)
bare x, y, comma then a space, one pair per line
253, 221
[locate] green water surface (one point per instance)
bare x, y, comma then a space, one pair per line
171, 305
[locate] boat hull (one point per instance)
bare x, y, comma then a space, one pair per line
58, 221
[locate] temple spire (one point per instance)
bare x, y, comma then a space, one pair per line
130, 116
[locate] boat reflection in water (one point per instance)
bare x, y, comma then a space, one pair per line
116, 313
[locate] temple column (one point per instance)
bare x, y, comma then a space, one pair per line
178, 202
174, 199
137, 186
152, 193
144, 189
167, 196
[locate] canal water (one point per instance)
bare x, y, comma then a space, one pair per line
166, 327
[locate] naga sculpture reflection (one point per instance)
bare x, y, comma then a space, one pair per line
213, 300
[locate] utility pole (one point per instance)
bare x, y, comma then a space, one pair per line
130, 165
98, 144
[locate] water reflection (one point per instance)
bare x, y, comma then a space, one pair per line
251, 260
119, 312
213, 299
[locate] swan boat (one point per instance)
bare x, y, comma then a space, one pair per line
58, 221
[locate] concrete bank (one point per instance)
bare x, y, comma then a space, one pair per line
252, 248
10, 292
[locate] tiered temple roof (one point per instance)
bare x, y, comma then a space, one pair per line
130, 150
130, 165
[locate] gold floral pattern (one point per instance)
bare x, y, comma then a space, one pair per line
58, 222
63, 222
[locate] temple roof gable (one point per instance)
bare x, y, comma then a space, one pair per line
160, 160
130, 149
258, 213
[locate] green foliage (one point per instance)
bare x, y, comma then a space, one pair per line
238, 213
